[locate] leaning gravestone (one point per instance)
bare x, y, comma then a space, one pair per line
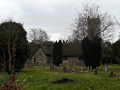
111, 74
95, 72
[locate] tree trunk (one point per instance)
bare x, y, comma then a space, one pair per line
9, 57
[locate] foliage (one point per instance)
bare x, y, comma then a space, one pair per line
60, 52
116, 50
12, 33
91, 52
107, 54
86, 51
95, 52
57, 53
22, 53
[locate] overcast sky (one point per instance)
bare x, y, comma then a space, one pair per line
53, 16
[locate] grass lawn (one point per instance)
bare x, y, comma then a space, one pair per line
39, 79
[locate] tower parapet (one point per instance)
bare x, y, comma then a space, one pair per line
93, 27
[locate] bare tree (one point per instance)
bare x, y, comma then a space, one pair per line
38, 36
79, 29
116, 21
32, 35
118, 25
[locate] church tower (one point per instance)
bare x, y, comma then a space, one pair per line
93, 27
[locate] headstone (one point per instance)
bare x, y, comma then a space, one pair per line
64, 68
81, 68
51, 67
61, 65
73, 69
105, 68
73, 65
95, 72
111, 74
77, 70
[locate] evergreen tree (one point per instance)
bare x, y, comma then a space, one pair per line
92, 52
116, 50
12, 33
95, 52
86, 51
57, 53
60, 55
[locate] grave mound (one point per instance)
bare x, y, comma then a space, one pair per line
62, 80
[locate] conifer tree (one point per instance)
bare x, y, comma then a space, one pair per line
13, 34
92, 52
57, 53
60, 52
86, 51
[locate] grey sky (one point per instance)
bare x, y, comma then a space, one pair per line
53, 16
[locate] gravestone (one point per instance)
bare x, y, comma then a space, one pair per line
77, 70
61, 65
51, 67
105, 67
64, 68
29, 65
73, 65
111, 74
39, 65
95, 72
73, 69
81, 68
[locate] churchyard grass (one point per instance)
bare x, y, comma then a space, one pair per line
40, 78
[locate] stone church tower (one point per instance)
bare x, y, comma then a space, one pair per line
93, 27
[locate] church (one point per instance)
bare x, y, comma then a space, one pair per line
42, 54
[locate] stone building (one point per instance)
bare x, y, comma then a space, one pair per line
93, 27
43, 53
